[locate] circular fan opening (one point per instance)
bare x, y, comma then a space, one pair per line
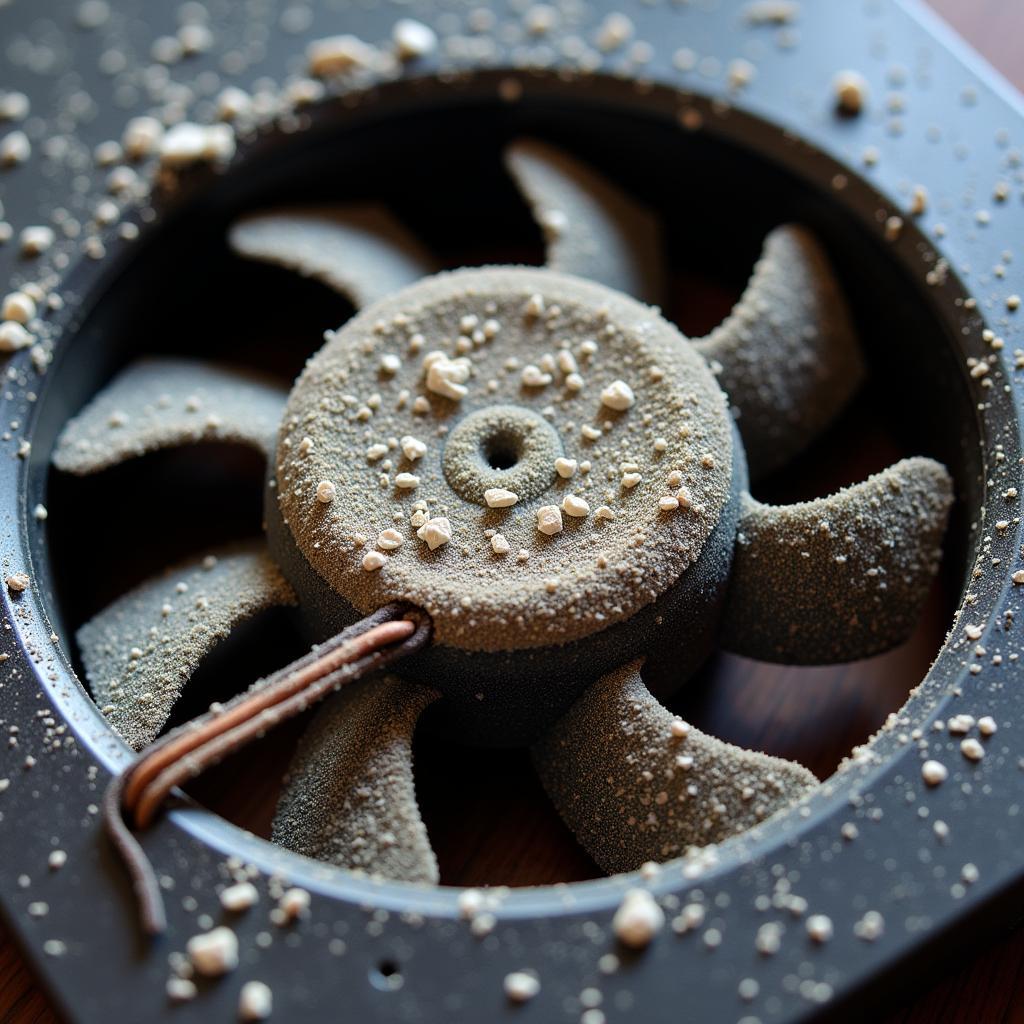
183, 292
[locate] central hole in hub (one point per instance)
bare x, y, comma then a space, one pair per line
502, 451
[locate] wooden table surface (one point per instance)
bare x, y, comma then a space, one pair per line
987, 990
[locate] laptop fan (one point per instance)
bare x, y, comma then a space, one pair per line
510, 504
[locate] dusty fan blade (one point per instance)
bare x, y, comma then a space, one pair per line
787, 355
349, 797
637, 784
592, 229
362, 252
140, 653
842, 577
166, 403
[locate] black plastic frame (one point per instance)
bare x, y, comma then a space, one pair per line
436, 969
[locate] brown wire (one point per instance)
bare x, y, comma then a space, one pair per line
140, 790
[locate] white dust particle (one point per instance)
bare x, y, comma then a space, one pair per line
337, 55
18, 582
520, 987
615, 31
180, 990
618, 396
638, 919
470, 902
446, 377
498, 497
36, 239
255, 1001
293, 904
435, 532
534, 377
934, 772
389, 540
187, 143
18, 307
214, 953
141, 137
573, 505
958, 725
851, 91
233, 103
236, 898
870, 927
549, 520
412, 448
972, 749
14, 149
413, 39
326, 491
819, 927
14, 337
374, 560
679, 729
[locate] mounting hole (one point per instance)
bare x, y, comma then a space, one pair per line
508, 446
386, 976
502, 451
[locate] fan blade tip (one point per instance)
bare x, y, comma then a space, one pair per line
350, 797
591, 227
788, 352
159, 403
842, 577
140, 652
636, 784
360, 251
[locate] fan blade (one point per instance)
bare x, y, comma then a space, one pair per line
362, 252
140, 653
787, 355
842, 577
592, 229
349, 797
636, 784
166, 403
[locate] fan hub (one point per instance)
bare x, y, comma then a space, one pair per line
502, 447
525, 434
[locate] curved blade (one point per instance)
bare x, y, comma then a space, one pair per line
166, 403
349, 797
592, 229
635, 784
787, 355
140, 653
362, 252
842, 577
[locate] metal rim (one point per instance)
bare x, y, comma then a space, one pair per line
898, 772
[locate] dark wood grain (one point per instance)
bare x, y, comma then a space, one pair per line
492, 825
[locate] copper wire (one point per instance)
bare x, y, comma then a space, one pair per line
135, 796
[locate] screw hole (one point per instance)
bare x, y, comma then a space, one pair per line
502, 450
501, 458
386, 976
